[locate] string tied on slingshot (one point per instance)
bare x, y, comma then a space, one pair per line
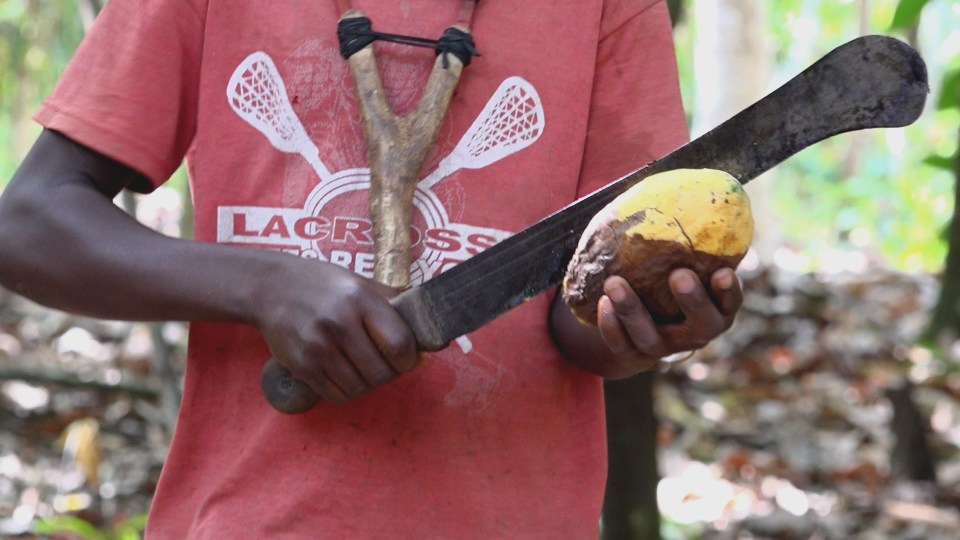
357, 32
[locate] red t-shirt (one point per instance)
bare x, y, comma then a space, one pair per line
496, 436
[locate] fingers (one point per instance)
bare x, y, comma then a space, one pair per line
375, 350
349, 369
702, 316
345, 354
728, 293
315, 375
626, 326
392, 337
624, 322
340, 381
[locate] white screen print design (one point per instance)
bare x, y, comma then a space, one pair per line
511, 120
257, 94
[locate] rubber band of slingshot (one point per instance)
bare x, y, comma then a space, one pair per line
356, 33
458, 43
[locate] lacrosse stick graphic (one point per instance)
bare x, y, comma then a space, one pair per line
511, 121
257, 94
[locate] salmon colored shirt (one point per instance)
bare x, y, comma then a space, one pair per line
496, 436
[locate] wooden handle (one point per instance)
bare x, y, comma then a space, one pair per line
284, 392
465, 20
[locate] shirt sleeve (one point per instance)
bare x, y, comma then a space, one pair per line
636, 112
130, 91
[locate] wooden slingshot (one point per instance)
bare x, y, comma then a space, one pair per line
396, 149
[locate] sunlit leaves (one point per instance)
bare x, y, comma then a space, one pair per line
907, 14
950, 91
890, 197
941, 162
12, 10
37, 38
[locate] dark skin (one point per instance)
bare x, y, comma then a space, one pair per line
64, 244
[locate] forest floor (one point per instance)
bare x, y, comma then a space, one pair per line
816, 416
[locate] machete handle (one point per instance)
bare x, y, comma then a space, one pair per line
286, 393
289, 395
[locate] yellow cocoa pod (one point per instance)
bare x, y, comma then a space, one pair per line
686, 218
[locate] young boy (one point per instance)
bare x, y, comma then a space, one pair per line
500, 435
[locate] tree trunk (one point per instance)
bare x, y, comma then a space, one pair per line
911, 458
944, 327
630, 509
733, 60
89, 9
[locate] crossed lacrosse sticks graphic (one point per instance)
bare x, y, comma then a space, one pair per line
511, 120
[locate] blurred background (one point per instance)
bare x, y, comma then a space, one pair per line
830, 410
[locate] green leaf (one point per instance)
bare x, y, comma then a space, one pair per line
950, 91
131, 529
69, 524
907, 13
12, 10
941, 162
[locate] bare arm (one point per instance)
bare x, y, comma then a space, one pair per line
626, 340
63, 243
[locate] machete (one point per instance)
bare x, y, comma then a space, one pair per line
870, 82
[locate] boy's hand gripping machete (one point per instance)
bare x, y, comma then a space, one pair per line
870, 82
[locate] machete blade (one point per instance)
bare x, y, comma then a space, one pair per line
870, 82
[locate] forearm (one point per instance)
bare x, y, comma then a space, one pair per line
94, 259
63, 243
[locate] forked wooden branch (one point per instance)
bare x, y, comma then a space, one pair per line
396, 148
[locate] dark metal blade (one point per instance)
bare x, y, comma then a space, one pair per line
870, 82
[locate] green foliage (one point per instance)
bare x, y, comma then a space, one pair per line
128, 529
68, 524
885, 193
940, 162
907, 14
37, 39
890, 209
950, 91
674, 530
